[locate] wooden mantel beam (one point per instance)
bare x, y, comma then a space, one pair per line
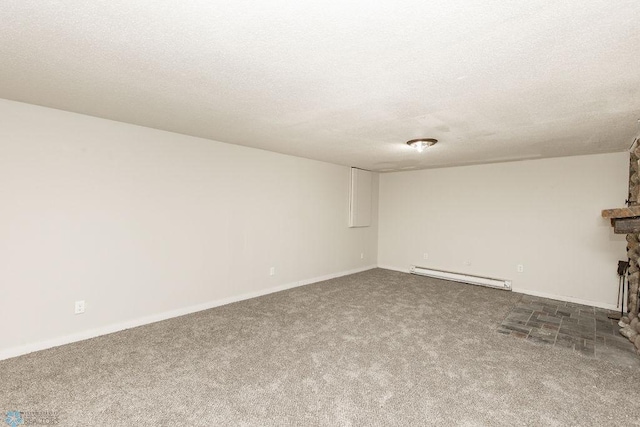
626, 225
630, 212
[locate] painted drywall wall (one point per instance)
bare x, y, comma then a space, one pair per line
487, 219
143, 224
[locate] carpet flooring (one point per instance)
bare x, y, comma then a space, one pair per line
378, 348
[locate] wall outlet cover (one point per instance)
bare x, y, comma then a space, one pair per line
79, 307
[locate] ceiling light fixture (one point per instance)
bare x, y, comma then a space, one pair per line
421, 143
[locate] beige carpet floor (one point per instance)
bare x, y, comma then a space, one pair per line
376, 348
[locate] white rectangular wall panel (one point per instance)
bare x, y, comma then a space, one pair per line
360, 198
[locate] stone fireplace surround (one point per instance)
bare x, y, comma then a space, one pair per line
627, 221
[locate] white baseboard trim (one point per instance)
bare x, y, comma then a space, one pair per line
388, 267
535, 293
121, 326
335, 275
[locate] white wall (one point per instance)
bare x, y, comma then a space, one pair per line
144, 224
544, 214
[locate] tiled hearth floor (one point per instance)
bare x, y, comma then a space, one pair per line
580, 328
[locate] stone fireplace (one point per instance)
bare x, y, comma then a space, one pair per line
627, 221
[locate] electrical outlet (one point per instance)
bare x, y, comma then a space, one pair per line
425, 256
362, 255
467, 262
79, 308
520, 268
272, 271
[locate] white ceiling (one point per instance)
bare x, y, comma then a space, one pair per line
346, 82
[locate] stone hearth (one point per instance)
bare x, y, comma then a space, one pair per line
584, 329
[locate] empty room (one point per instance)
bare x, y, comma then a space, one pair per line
341, 213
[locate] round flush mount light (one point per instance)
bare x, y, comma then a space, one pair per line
421, 143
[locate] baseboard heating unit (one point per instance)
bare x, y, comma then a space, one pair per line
464, 278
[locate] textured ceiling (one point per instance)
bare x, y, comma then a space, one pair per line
346, 82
